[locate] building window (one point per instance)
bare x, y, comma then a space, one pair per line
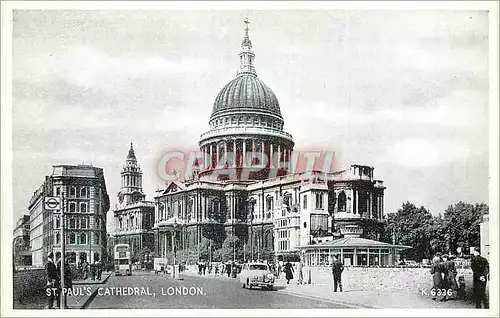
287, 200
342, 202
58, 191
72, 223
319, 201
269, 203
72, 207
83, 207
96, 238
83, 192
304, 200
72, 238
83, 223
121, 223
57, 238
72, 191
83, 238
58, 222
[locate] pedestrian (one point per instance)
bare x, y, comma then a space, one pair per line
301, 274
199, 268
93, 271
437, 271
86, 270
288, 272
337, 269
480, 271
68, 281
451, 273
99, 270
228, 269
52, 280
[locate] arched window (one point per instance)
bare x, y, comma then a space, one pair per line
72, 238
83, 207
83, 238
72, 191
342, 202
83, 192
58, 238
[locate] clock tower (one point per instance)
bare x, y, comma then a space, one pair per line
133, 215
131, 185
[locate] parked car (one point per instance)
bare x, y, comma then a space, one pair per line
257, 274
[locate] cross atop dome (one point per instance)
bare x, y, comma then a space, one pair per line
246, 55
246, 28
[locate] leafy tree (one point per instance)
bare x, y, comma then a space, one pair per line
207, 247
232, 247
411, 226
462, 224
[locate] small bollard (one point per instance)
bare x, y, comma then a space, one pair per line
309, 279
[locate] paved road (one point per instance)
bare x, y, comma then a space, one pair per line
225, 294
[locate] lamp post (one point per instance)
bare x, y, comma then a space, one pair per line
173, 243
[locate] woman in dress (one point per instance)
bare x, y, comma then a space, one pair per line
288, 272
437, 271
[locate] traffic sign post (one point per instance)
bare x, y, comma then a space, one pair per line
54, 204
63, 252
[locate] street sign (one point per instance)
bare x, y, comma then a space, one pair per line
52, 203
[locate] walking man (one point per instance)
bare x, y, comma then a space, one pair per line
52, 280
480, 269
337, 269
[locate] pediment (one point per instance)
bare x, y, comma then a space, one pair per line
173, 187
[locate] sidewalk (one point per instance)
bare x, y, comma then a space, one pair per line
356, 297
370, 299
85, 291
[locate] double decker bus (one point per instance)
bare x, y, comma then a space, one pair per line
123, 260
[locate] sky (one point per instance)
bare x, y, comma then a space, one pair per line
403, 91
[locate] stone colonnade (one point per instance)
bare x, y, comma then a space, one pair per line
239, 148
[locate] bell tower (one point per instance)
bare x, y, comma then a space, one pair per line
131, 181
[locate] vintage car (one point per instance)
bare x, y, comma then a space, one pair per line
256, 274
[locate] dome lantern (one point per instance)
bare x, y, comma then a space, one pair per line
247, 55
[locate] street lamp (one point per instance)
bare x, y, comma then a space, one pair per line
173, 243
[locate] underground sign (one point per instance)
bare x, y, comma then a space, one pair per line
52, 203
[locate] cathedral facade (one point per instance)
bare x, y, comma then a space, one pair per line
245, 190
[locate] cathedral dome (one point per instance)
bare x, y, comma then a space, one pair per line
246, 93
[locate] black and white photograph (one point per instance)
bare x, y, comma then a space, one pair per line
256, 159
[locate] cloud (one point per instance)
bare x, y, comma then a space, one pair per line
87, 67
421, 153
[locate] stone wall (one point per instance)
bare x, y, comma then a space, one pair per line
383, 279
28, 281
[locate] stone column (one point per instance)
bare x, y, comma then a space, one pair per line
270, 155
225, 151
371, 206
356, 210
253, 150
211, 156
244, 153
217, 153
263, 152
234, 153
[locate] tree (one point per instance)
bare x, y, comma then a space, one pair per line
207, 247
410, 226
462, 224
232, 247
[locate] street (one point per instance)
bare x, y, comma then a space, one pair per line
200, 293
